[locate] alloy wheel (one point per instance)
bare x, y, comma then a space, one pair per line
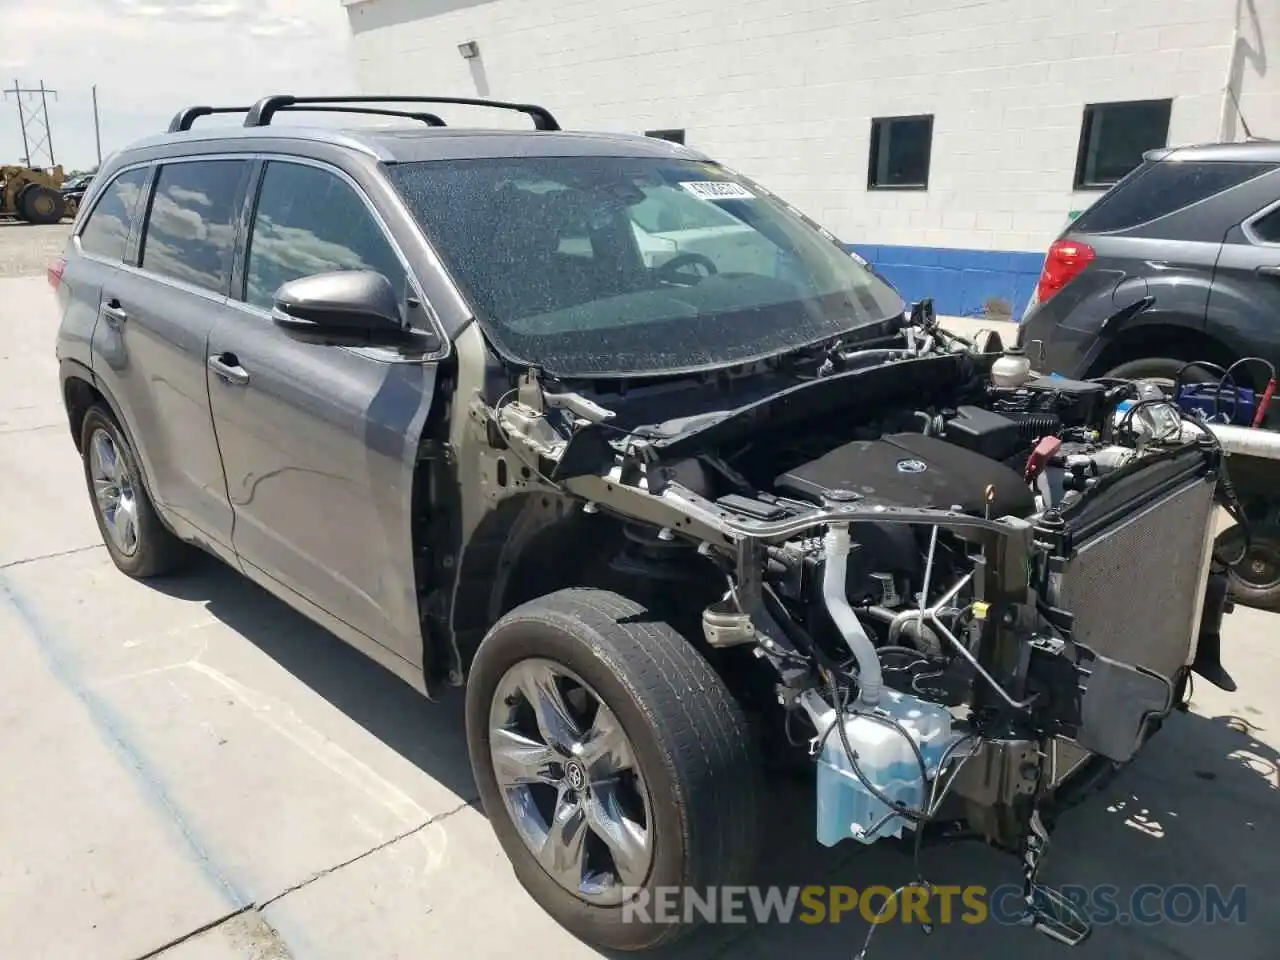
115, 494
1259, 568
570, 781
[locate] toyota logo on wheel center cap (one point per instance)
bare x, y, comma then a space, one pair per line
576, 776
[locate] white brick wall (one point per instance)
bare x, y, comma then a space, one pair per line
785, 89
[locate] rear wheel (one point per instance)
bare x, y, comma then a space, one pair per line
1255, 580
41, 205
138, 541
1163, 370
612, 762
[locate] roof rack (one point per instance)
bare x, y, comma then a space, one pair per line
261, 113
186, 118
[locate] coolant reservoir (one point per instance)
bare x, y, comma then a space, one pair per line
1013, 369
846, 808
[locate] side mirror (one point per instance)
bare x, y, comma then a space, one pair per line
345, 307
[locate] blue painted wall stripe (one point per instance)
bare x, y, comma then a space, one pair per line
961, 282
113, 731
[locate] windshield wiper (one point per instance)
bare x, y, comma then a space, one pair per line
844, 351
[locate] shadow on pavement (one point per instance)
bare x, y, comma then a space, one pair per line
1198, 811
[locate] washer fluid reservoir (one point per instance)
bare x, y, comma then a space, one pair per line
845, 807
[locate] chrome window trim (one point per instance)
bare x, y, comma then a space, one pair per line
1248, 231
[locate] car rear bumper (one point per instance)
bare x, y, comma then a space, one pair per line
1054, 348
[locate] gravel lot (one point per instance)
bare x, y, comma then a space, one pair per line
193, 771
27, 249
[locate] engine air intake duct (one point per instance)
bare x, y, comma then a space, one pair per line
998, 435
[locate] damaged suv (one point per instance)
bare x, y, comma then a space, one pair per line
675, 485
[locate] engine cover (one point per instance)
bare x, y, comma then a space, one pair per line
912, 470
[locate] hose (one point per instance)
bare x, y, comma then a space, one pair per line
837, 545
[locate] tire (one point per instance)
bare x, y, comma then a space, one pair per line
1255, 581
699, 780
1159, 368
41, 205
151, 549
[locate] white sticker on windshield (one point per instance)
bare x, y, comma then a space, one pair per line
717, 190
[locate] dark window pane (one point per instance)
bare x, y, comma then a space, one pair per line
107, 231
191, 227
309, 221
1116, 135
900, 148
1267, 229
1160, 188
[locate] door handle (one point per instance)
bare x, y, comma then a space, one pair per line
226, 367
1271, 270
114, 313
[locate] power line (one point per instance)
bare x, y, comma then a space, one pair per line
37, 135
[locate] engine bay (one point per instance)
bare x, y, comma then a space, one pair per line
926, 545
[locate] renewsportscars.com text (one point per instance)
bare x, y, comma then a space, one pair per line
1102, 905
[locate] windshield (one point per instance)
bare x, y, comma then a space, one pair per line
599, 266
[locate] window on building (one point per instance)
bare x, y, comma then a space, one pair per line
675, 136
1159, 189
191, 226
900, 149
107, 231
309, 221
1114, 136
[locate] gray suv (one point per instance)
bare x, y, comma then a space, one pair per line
678, 488
1179, 261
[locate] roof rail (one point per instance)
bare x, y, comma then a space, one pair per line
184, 119
262, 112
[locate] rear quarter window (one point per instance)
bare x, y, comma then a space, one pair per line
106, 232
1266, 229
1157, 189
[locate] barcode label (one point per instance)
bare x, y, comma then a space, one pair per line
717, 190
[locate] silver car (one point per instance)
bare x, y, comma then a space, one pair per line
675, 485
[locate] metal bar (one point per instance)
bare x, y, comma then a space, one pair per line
97, 129
262, 112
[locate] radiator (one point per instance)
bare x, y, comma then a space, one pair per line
1136, 588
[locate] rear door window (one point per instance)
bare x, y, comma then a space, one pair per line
190, 231
310, 221
106, 232
1266, 229
1157, 189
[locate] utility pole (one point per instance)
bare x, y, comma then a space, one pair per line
97, 130
36, 134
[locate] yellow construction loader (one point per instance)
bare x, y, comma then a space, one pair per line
35, 195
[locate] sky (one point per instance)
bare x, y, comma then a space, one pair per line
150, 58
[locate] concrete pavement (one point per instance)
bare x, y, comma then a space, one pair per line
195, 772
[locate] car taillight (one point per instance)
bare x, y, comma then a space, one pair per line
55, 270
1063, 263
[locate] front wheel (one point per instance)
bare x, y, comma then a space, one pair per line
41, 205
612, 763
